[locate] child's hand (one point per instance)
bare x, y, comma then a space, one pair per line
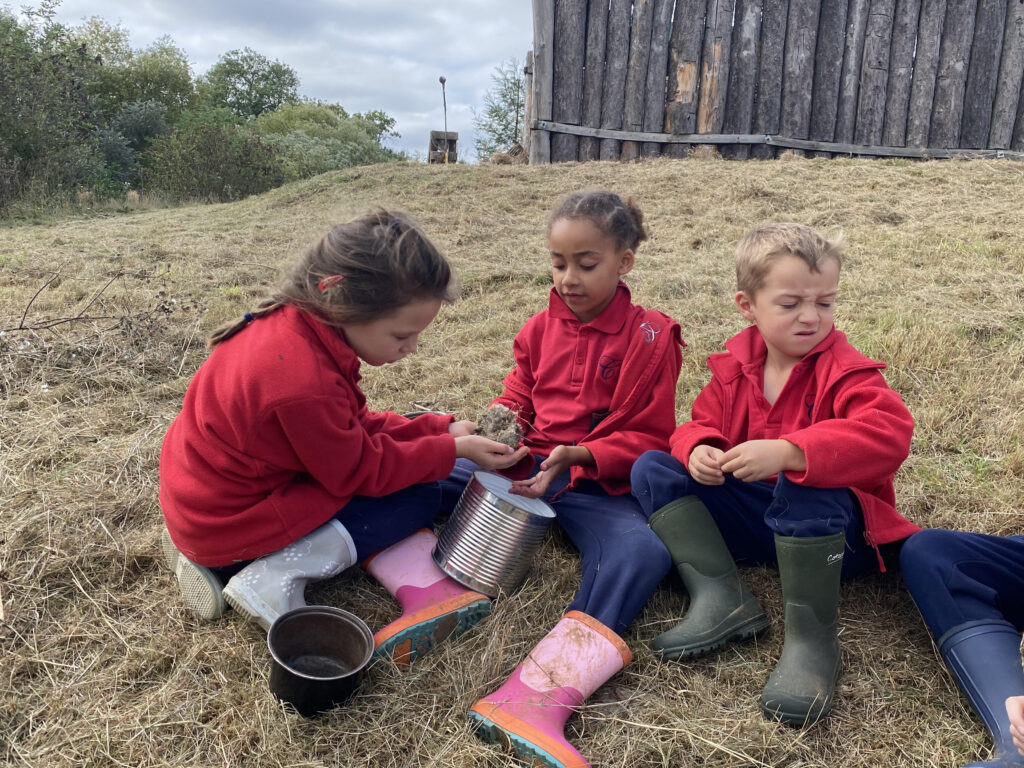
561, 458
1015, 711
461, 428
760, 459
705, 465
489, 454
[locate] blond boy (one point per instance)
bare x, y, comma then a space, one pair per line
788, 460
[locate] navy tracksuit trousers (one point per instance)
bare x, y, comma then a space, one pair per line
749, 514
957, 578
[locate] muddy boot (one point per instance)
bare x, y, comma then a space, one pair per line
721, 608
275, 583
434, 606
985, 662
528, 713
200, 587
800, 689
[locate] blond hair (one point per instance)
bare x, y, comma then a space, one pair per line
756, 252
360, 271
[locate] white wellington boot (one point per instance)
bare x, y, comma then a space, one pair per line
275, 583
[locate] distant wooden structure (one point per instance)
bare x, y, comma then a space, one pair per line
440, 143
622, 79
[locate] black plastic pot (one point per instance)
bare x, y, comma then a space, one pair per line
319, 655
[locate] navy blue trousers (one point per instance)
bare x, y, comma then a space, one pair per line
959, 578
750, 514
621, 559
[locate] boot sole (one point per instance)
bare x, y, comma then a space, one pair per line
249, 605
200, 588
531, 745
749, 629
405, 640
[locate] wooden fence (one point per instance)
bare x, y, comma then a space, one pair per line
622, 79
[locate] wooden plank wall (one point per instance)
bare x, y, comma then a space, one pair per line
931, 74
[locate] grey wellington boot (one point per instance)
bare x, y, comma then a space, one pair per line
800, 689
200, 587
275, 583
721, 607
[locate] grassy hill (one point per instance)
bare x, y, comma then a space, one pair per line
103, 323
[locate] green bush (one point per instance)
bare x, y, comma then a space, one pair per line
314, 138
211, 162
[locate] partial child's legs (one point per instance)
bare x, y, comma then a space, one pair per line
721, 608
970, 590
276, 583
396, 549
816, 536
622, 562
621, 559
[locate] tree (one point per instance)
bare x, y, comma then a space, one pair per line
314, 137
123, 76
249, 83
500, 125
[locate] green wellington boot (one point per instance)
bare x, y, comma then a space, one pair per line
799, 691
721, 607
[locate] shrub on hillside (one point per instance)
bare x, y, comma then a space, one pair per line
314, 138
211, 162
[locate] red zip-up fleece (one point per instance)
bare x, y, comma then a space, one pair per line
609, 384
836, 407
274, 438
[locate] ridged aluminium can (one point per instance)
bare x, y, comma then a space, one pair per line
492, 535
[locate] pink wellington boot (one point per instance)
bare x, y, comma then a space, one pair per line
434, 606
529, 711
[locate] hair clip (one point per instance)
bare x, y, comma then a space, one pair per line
328, 281
395, 229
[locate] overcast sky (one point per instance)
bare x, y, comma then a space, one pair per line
370, 54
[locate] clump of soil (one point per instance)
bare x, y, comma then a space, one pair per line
499, 423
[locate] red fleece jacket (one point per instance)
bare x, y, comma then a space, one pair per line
609, 384
836, 407
274, 438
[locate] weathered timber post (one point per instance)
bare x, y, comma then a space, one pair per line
593, 78
739, 99
828, 70
657, 68
874, 74
901, 67
528, 100
684, 70
801, 40
714, 69
567, 106
768, 103
926, 63
849, 83
954, 55
983, 74
1011, 73
616, 59
636, 74
543, 77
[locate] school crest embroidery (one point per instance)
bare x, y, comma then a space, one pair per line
608, 367
649, 331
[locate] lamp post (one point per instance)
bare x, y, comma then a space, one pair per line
444, 105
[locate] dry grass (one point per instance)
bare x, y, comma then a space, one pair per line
103, 666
